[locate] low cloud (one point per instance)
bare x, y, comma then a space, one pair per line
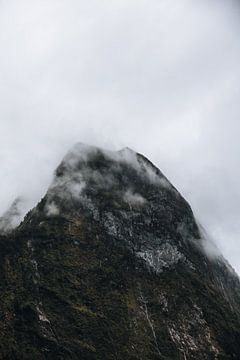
52, 209
76, 172
209, 244
14, 215
134, 199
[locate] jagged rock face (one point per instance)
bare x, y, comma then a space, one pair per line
124, 194
111, 265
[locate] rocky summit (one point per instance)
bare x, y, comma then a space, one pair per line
112, 265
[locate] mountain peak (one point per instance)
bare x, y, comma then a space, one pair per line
111, 265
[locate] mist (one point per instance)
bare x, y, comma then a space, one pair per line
161, 77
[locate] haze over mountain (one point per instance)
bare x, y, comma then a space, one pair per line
112, 264
160, 76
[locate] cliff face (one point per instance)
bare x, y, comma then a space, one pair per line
111, 265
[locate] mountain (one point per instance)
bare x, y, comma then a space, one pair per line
111, 264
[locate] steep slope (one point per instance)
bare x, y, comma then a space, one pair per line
111, 265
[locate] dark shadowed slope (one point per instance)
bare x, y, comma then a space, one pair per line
111, 265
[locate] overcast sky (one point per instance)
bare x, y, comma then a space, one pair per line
159, 76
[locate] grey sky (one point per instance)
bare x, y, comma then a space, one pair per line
160, 76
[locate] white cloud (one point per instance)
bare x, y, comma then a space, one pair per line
51, 209
134, 199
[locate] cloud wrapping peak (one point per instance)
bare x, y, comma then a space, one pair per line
161, 77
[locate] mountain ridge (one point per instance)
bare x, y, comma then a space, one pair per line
111, 265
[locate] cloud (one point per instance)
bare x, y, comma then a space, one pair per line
78, 171
134, 199
161, 77
52, 209
14, 215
